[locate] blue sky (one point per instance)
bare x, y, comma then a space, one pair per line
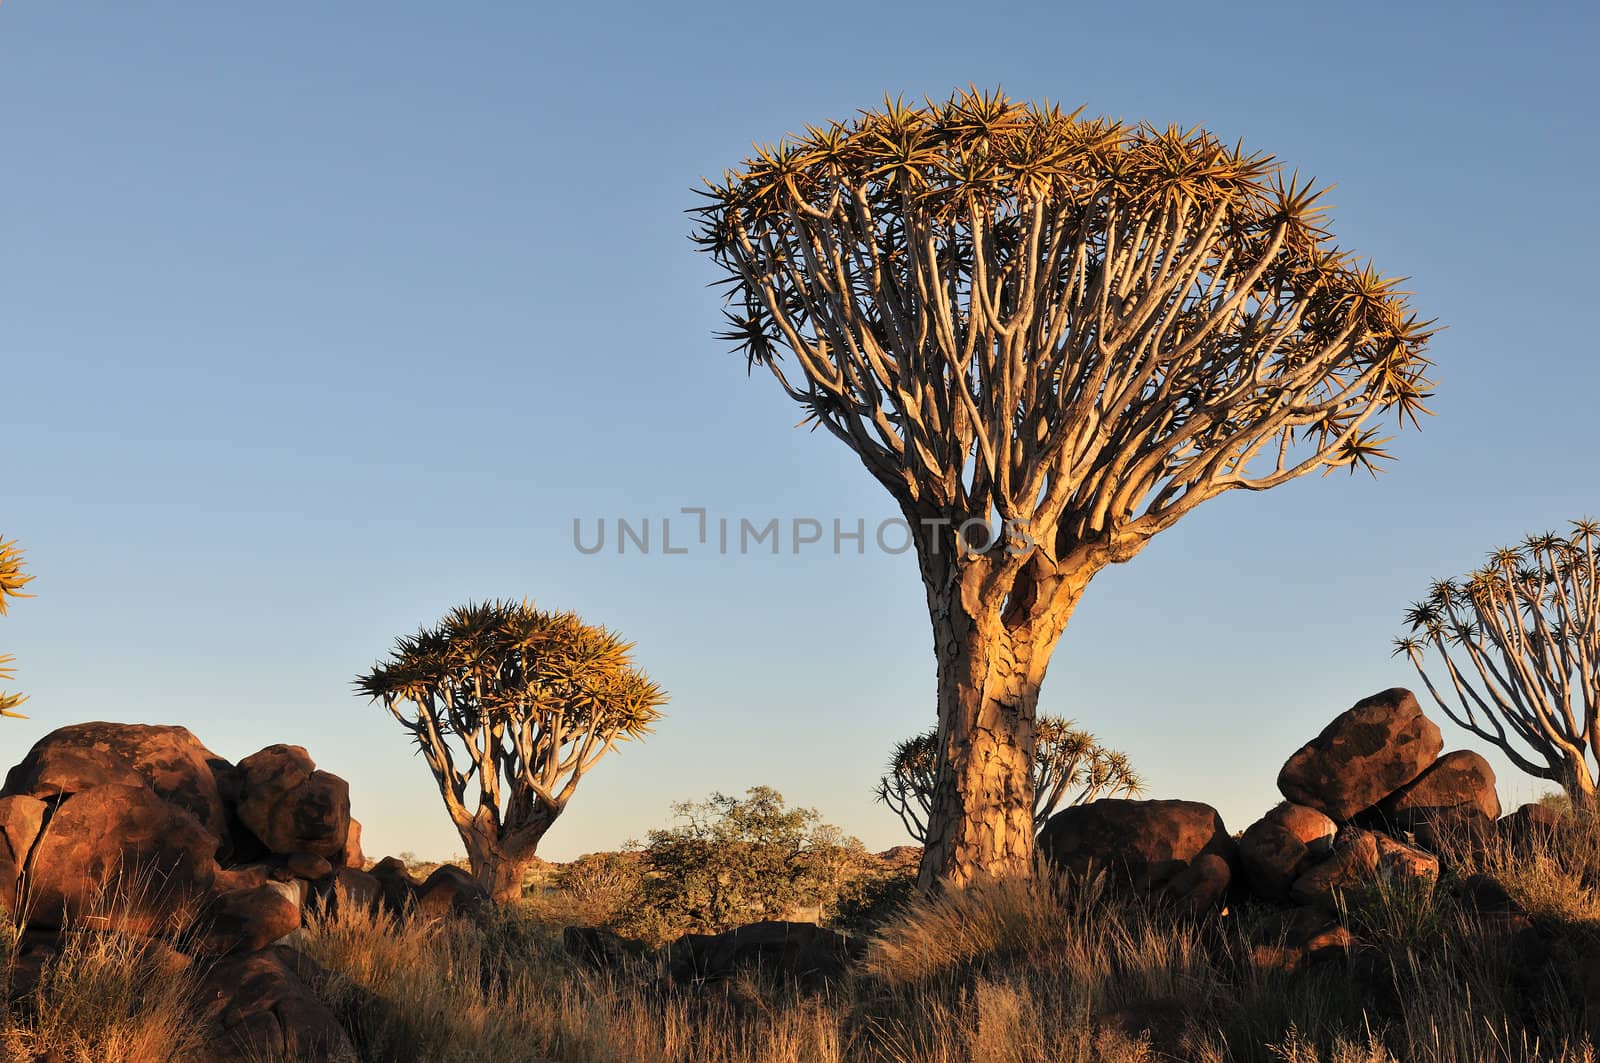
317, 319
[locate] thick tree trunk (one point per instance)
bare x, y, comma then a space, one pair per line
500, 858
992, 656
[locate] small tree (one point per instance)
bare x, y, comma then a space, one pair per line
1519, 640
1073, 331
731, 860
532, 699
1064, 758
12, 580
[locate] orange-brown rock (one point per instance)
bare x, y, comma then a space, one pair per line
257, 1007
246, 920
119, 857
1369, 751
170, 760
1455, 780
21, 818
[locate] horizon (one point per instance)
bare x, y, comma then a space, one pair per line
310, 348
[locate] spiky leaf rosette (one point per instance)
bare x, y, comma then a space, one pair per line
12, 580
1069, 323
1066, 761
1519, 639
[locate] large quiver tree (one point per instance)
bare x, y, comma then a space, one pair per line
1519, 641
1073, 329
517, 704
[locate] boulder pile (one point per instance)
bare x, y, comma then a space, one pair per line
1368, 799
141, 830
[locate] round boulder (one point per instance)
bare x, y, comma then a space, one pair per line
1280, 845
291, 806
1369, 751
1353, 864
257, 1007
451, 891
21, 819
1145, 844
246, 920
118, 857
170, 760
1462, 779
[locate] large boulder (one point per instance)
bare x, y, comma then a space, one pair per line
1145, 844
1369, 751
1531, 827
258, 1007
1280, 845
1462, 779
801, 953
291, 806
119, 857
170, 760
21, 819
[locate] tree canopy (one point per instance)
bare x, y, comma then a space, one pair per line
528, 700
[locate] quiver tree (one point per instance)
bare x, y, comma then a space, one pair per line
1065, 761
517, 704
1519, 641
12, 580
1071, 329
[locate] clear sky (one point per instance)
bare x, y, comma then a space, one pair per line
317, 319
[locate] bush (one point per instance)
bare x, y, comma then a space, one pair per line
731, 861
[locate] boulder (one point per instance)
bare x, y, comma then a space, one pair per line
451, 891
246, 920
396, 888
1455, 780
804, 954
291, 806
1145, 844
1367, 752
345, 886
1353, 864
1453, 833
1280, 845
258, 1008
170, 760
21, 819
119, 857
1202, 885
1532, 826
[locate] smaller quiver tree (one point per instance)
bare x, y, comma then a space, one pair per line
1519, 639
12, 580
517, 704
1065, 761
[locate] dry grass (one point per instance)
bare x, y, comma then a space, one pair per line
105, 999
1042, 972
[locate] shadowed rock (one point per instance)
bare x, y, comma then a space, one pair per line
802, 953
258, 1007
1367, 752
451, 891
1278, 847
291, 806
1145, 844
246, 920
1353, 864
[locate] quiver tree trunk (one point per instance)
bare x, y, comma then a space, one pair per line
499, 857
993, 646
